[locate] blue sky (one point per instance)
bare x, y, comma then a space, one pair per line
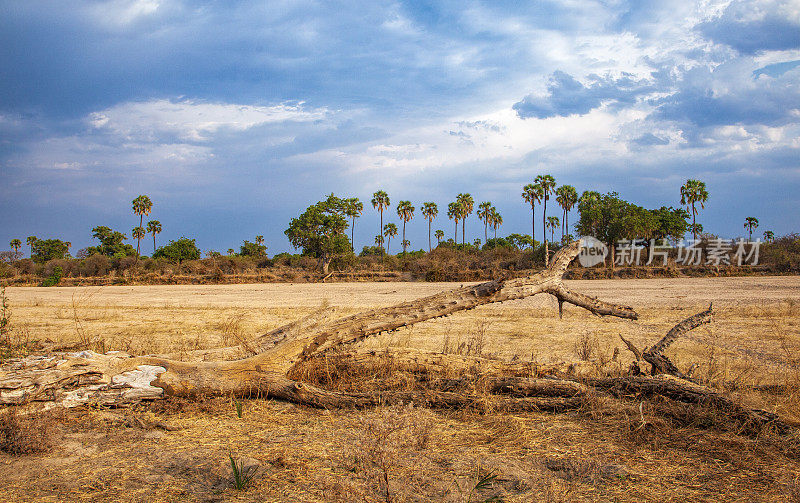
235, 116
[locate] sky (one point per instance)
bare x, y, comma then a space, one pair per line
234, 116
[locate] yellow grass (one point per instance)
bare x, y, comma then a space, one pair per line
610, 452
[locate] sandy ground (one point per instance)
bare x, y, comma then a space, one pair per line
605, 453
756, 317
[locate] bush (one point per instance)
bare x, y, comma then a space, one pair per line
95, 265
54, 278
178, 251
25, 434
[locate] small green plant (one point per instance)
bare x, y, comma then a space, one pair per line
54, 278
241, 474
238, 405
484, 482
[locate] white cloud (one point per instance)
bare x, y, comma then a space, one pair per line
194, 121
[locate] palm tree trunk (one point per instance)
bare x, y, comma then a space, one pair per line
380, 233
154, 243
404, 235
463, 230
533, 226
139, 240
544, 232
694, 222
429, 235
486, 229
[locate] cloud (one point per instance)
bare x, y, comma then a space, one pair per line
650, 139
193, 121
755, 26
567, 96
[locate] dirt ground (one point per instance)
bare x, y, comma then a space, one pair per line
609, 451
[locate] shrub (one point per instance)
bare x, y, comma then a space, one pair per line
178, 251
95, 265
54, 278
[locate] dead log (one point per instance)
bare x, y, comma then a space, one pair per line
116, 379
659, 362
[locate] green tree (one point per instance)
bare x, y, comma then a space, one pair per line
406, 212
439, 235
30, 241
178, 251
16, 244
111, 243
552, 223
484, 211
751, 223
430, 211
670, 223
567, 197
693, 192
259, 239
547, 185
379, 242
390, 231
353, 209
532, 194
466, 205
602, 216
380, 200
154, 227
769, 236
44, 250
141, 206
256, 249
454, 213
320, 231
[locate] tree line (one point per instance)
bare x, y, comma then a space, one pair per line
320, 231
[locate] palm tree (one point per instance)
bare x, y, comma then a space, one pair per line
30, 241
552, 223
692, 192
532, 194
259, 240
231, 251
466, 204
406, 243
439, 235
380, 200
154, 227
16, 244
141, 206
769, 236
390, 231
406, 212
138, 233
496, 220
353, 209
454, 213
751, 223
429, 211
566, 196
484, 210
379, 241
547, 186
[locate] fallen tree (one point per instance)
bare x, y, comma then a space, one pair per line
277, 359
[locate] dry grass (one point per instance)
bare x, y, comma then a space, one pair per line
26, 434
609, 450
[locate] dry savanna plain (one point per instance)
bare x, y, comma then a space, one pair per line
607, 450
